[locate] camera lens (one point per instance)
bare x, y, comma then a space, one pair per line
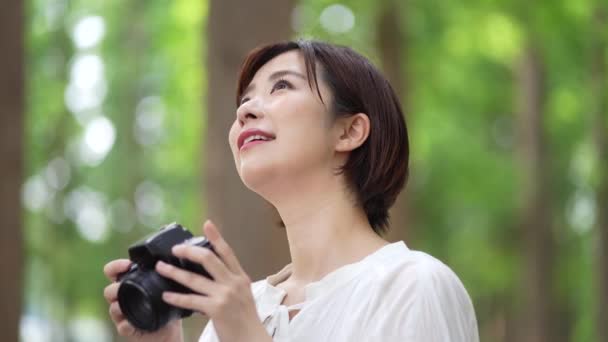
139, 297
137, 308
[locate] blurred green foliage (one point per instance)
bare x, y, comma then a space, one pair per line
143, 82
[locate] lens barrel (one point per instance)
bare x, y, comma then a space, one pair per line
140, 300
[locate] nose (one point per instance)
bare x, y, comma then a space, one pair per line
249, 110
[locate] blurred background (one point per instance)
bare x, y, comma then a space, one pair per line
114, 117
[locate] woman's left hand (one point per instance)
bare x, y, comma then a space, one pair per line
227, 299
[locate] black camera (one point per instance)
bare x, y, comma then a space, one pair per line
141, 287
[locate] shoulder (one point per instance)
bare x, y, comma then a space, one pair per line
414, 269
425, 271
421, 297
436, 282
424, 278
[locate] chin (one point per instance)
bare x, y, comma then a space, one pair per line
257, 176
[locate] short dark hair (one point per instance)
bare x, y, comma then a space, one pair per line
377, 170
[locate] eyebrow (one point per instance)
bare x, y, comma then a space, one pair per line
273, 76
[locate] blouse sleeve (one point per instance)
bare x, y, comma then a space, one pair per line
425, 302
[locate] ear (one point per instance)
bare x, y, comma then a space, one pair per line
352, 132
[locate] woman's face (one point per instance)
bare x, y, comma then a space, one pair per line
280, 103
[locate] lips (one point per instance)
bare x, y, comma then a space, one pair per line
252, 132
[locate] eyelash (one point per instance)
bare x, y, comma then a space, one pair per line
280, 81
274, 87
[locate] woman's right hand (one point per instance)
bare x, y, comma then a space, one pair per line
172, 332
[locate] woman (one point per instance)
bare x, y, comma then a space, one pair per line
319, 133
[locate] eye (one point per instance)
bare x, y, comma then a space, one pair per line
243, 100
280, 84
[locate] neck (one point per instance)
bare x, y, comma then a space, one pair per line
325, 228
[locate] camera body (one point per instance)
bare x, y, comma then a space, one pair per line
141, 287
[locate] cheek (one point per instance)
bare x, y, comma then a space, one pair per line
232, 136
307, 121
306, 140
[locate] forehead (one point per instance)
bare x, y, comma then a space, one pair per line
290, 60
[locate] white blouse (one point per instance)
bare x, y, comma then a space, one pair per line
394, 294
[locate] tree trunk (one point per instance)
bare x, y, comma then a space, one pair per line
247, 222
535, 216
11, 151
392, 47
600, 99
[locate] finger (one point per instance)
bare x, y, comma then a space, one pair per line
221, 247
110, 292
193, 281
192, 302
116, 267
204, 257
124, 328
115, 313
